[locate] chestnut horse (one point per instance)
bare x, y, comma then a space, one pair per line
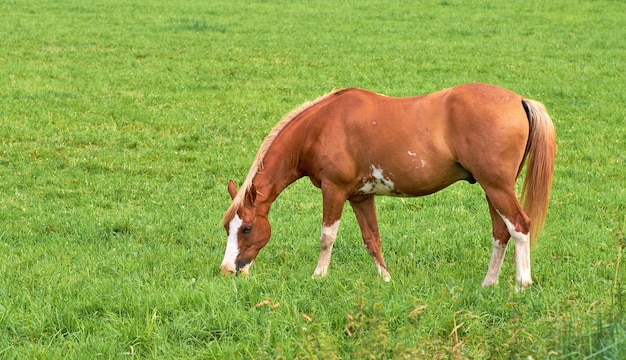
354, 144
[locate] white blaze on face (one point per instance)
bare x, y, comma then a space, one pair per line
379, 184
232, 246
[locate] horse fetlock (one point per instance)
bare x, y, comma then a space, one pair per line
382, 271
319, 273
523, 284
385, 275
490, 281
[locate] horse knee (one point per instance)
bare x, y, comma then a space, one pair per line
326, 242
329, 234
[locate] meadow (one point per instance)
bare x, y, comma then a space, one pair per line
122, 121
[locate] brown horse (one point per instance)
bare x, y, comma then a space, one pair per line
355, 144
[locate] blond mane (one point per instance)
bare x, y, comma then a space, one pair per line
257, 164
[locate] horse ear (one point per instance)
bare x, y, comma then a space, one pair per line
232, 189
251, 195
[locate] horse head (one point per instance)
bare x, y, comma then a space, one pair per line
248, 231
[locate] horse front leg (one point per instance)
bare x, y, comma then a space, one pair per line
327, 239
365, 211
333, 207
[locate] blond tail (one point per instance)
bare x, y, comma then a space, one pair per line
541, 151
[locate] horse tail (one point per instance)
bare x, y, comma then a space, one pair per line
541, 152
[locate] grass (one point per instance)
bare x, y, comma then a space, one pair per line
121, 122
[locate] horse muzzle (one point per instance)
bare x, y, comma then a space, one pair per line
228, 269
242, 268
240, 265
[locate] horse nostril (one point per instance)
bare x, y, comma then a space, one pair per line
240, 265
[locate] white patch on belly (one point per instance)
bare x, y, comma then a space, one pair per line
378, 184
411, 153
423, 162
232, 246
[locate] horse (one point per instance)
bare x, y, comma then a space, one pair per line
354, 144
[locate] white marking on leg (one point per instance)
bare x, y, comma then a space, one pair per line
232, 246
522, 255
382, 272
327, 239
379, 184
497, 257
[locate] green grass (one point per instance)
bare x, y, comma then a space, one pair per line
121, 123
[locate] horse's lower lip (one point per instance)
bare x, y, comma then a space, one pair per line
227, 270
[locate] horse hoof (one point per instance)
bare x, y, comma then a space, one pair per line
319, 273
385, 275
488, 283
523, 286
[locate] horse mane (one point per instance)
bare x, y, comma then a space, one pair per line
257, 164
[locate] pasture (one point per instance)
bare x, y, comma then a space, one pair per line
121, 123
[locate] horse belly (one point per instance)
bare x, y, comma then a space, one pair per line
417, 179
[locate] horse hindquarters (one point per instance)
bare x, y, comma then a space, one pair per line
524, 225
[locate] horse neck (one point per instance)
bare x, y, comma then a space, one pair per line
279, 170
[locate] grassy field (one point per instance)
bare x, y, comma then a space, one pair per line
121, 123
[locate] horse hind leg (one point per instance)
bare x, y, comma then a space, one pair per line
517, 223
365, 211
500, 240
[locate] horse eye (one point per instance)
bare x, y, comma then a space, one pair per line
246, 229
